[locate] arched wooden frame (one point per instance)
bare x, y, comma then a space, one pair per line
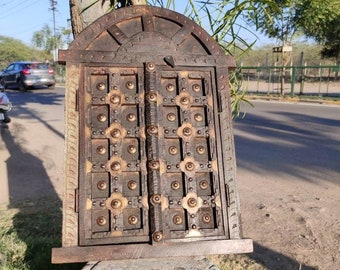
134, 36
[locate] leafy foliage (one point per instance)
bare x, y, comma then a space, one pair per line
320, 20
315, 19
14, 50
45, 38
281, 23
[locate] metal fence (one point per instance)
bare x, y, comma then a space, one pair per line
292, 80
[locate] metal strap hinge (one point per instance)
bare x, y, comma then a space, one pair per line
76, 200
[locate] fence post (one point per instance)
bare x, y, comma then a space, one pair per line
269, 80
258, 77
328, 78
292, 83
320, 80
303, 73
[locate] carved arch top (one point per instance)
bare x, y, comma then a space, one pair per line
144, 31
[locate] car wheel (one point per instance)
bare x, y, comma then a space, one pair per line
51, 86
2, 82
22, 86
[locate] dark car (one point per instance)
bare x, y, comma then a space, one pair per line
27, 74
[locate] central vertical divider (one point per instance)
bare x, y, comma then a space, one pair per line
152, 147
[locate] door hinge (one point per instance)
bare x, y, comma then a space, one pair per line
227, 194
76, 200
77, 100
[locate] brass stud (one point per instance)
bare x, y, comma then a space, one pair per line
192, 202
204, 184
115, 99
171, 117
187, 131
175, 185
132, 149
101, 117
198, 117
132, 185
156, 198
157, 236
200, 150
115, 166
177, 219
116, 133
101, 86
154, 165
173, 150
131, 117
101, 221
185, 100
101, 150
101, 185
150, 66
190, 166
115, 204
152, 130
152, 97
196, 88
206, 218
170, 87
130, 85
133, 220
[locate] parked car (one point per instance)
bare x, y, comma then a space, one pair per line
27, 74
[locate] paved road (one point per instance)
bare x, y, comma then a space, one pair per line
278, 139
31, 150
288, 158
296, 146
299, 140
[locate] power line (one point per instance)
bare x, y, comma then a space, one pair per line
8, 2
17, 10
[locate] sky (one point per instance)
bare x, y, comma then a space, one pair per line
20, 19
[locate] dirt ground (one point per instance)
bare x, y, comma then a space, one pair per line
289, 184
295, 225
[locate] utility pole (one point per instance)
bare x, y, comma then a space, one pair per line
54, 9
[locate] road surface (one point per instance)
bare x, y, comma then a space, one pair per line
288, 158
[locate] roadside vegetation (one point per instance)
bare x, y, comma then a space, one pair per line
28, 231
12, 50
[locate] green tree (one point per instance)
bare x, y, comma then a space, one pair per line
276, 21
14, 50
46, 40
320, 20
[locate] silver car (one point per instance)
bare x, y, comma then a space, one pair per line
27, 74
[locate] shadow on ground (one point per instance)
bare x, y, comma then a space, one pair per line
273, 260
38, 218
300, 146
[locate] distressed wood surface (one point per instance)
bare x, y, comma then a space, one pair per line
70, 217
144, 251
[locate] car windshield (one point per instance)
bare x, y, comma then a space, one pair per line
36, 66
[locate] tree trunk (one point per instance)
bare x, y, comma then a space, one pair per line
83, 12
